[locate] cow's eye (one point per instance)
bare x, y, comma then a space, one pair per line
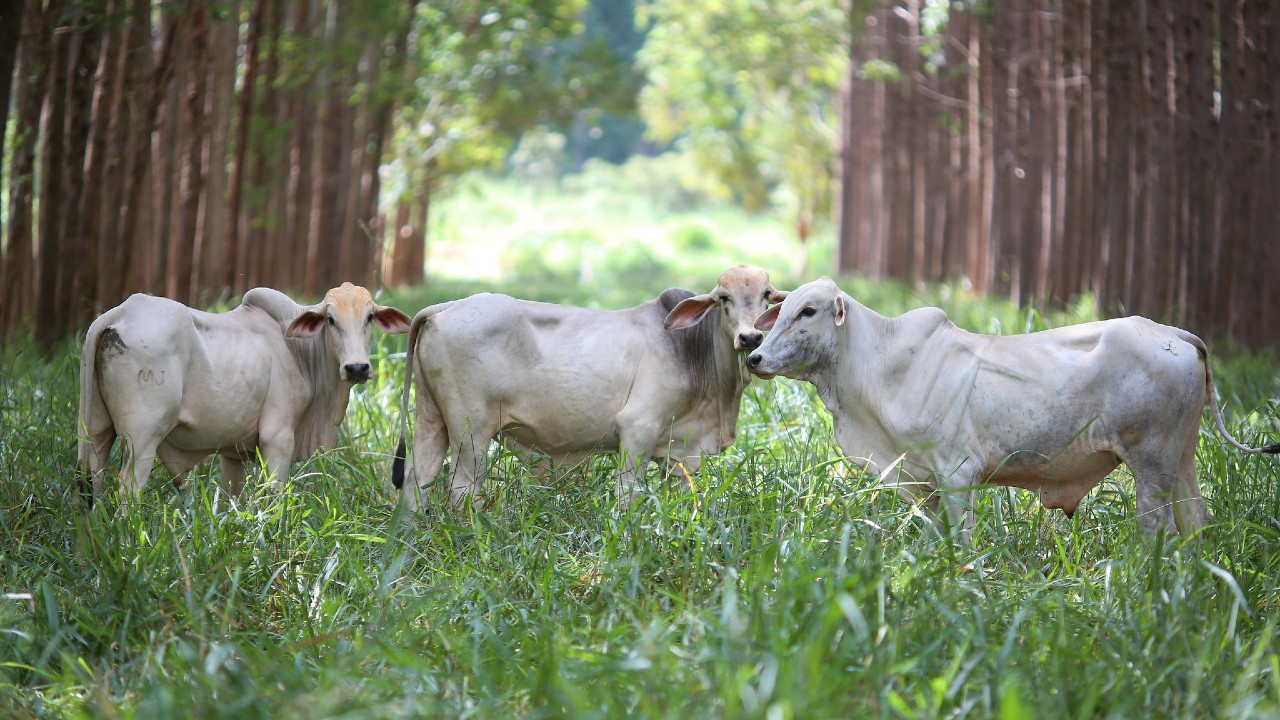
808, 312
332, 322
368, 319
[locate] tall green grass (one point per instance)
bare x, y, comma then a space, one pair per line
779, 583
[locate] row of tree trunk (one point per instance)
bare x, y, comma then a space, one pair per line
191, 149
1049, 149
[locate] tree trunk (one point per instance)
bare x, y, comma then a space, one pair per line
224, 37
18, 286
11, 19
168, 162
234, 260
267, 181
335, 161
188, 248
97, 74
382, 106
53, 133
154, 91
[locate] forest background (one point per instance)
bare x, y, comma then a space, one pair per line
1071, 156
1123, 153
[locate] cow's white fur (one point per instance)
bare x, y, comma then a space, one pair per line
567, 381
935, 410
182, 384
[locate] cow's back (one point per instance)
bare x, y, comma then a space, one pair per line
142, 331
558, 375
1049, 407
200, 378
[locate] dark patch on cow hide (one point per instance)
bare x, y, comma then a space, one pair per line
110, 346
695, 346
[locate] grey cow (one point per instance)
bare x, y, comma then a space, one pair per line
661, 380
1051, 411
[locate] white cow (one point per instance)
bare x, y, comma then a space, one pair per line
930, 407
183, 384
662, 380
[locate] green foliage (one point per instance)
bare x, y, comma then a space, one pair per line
484, 74
614, 236
777, 582
757, 103
539, 159
611, 129
672, 181
880, 70
693, 238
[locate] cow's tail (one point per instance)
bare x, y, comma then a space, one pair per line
1213, 401
90, 398
410, 358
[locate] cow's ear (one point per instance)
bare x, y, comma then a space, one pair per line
689, 312
776, 296
391, 320
768, 318
308, 324
839, 311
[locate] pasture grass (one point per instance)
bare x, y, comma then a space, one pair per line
778, 583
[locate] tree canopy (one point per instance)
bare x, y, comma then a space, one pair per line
750, 88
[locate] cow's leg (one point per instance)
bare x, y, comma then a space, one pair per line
138, 458
276, 441
178, 463
684, 455
1155, 479
1155, 487
630, 475
956, 495
233, 472
470, 457
686, 466
637, 437
100, 442
430, 441
1189, 508
144, 410
924, 494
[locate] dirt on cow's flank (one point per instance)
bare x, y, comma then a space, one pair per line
776, 582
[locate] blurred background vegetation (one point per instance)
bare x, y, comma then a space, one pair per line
1041, 150
1023, 163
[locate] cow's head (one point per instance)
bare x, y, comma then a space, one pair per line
349, 314
742, 293
803, 330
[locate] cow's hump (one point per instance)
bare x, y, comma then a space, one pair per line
272, 302
671, 297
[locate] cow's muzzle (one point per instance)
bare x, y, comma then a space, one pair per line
757, 366
749, 340
356, 372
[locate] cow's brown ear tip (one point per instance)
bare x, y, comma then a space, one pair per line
306, 325
689, 312
392, 321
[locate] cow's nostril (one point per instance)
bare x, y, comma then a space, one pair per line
753, 360
357, 371
751, 340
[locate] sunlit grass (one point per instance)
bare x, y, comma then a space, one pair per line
777, 582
